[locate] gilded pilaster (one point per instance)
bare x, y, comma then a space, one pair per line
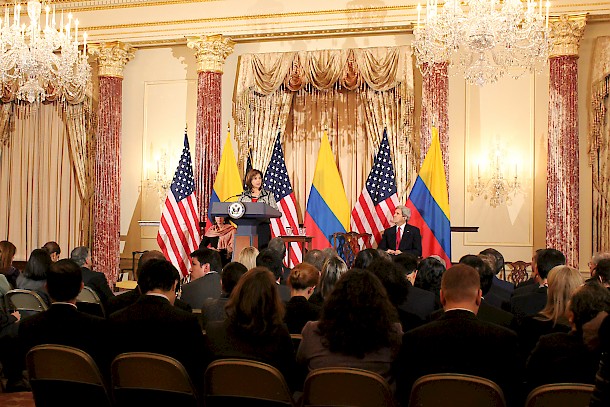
211, 51
112, 57
566, 32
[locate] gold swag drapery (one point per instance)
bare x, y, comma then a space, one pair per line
599, 143
354, 94
45, 161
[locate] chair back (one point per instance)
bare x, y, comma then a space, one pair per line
347, 245
518, 272
560, 395
88, 295
142, 378
296, 341
66, 376
455, 390
5, 286
245, 382
24, 300
89, 302
346, 387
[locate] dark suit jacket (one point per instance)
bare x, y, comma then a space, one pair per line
419, 302
97, 281
410, 242
487, 313
196, 292
63, 324
458, 342
500, 293
152, 324
528, 304
118, 302
298, 312
284, 292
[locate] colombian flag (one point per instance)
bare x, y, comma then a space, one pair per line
327, 208
429, 204
228, 182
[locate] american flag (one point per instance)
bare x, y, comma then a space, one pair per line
277, 181
178, 233
375, 207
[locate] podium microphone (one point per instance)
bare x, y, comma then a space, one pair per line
231, 197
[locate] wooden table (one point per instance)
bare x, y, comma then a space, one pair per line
304, 243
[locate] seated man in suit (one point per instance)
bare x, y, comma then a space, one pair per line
93, 279
205, 278
419, 302
62, 323
501, 290
213, 309
270, 259
401, 237
531, 299
153, 324
458, 342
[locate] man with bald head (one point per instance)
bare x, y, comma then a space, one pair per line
458, 342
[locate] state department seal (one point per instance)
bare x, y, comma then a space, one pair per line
236, 210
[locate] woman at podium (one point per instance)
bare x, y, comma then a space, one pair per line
255, 192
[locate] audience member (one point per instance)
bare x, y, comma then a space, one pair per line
332, 270
205, 279
92, 279
532, 279
429, 274
53, 249
270, 259
123, 300
566, 357
62, 323
153, 324
601, 394
397, 287
254, 328
214, 308
458, 342
10, 354
419, 302
563, 281
595, 259
330, 252
277, 245
302, 281
357, 328
530, 299
602, 273
220, 236
247, 257
34, 276
500, 290
365, 257
7, 254
316, 258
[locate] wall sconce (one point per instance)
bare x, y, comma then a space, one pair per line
161, 178
498, 186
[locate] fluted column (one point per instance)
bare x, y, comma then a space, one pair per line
112, 58
562, 165
211, 52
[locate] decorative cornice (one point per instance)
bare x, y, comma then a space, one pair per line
112, 57
566, 32
211, 51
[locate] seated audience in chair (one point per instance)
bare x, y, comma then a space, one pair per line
10, 355
247, 257
563, 281
332, 270
92, 279
53, 249
501, 290
419, 302
34, 276
316, 258
153, 324
531, 299
602, 273
458, 342
595, 259
62, 323
601, 394
205, 278
358, 328
365, 257
214, 309
7, 254
254, 328
571, 357
429, 273
116, 303
270, 259
302, 281
277, 245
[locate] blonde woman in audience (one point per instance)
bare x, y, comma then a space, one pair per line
247, 257
563, 281
332, 270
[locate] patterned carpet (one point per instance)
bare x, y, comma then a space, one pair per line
24, 399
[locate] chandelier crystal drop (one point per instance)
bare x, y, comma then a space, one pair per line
42, 60
483, 39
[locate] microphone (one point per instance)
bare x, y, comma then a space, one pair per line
232, 196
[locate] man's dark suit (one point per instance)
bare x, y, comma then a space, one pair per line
63, 324
196, 292
97, 281
152, 324
499, 293
419, 302
487, 313
410, 242
118, 302
458, 342
528, 304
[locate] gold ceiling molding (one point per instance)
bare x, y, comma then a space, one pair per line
114, 5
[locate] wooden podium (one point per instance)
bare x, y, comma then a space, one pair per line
256, 213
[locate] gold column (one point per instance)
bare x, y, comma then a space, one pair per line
112, 58
211, 52
566, 32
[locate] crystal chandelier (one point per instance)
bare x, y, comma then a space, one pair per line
483, 39
42, 62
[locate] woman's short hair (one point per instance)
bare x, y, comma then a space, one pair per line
602, 271
250, 176
392, 278
254, 308
357, 317
303, 276
247, 257
429, 274
563, 281
332, 270
52, 247
7, 252
38, 264
588, 301
365, 257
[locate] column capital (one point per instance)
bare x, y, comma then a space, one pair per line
112, 57
211, 51
566, 32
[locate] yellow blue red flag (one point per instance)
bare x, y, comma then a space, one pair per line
228, 182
